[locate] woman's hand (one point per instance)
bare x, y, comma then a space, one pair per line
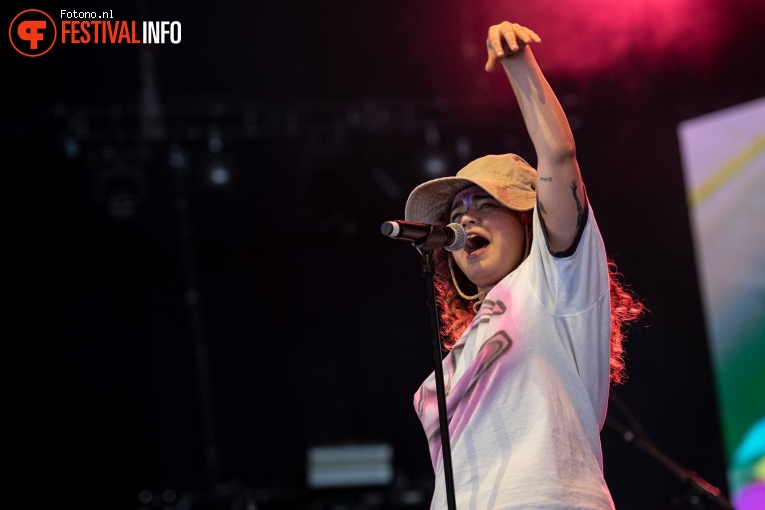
507, 40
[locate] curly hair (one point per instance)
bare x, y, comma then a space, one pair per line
456, 312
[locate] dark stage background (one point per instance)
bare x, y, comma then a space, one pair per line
124, 264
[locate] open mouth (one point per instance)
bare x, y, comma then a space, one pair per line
474, 243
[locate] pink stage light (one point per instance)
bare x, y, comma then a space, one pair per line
751, 497
590, 36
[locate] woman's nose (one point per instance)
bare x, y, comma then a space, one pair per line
468, 217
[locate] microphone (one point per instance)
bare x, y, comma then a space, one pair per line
452, 236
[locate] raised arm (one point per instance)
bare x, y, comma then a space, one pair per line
560, 197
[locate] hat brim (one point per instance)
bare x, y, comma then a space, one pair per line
430, 201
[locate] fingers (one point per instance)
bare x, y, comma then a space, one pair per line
525, 34
494, 47
534, 37
507, 39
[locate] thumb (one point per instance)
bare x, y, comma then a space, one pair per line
491, 61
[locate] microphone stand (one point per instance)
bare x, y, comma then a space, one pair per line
426, 250
697, 486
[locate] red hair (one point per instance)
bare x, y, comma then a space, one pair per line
626, 308
457, 313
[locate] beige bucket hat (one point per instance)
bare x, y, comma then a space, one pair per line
506, 177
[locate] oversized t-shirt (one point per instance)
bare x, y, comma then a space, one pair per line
527, 386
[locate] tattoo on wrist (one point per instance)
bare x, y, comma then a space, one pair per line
545, 179
579, 209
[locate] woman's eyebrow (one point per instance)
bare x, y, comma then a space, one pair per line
459, 203
477, 196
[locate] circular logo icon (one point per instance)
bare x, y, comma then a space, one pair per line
32, 33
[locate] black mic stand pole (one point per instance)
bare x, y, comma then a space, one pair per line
446, 451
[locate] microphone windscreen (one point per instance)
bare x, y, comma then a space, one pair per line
460, 237
390, 229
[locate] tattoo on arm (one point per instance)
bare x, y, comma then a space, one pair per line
540, 206
546, 179
579, 210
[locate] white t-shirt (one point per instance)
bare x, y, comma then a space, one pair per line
527, 387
